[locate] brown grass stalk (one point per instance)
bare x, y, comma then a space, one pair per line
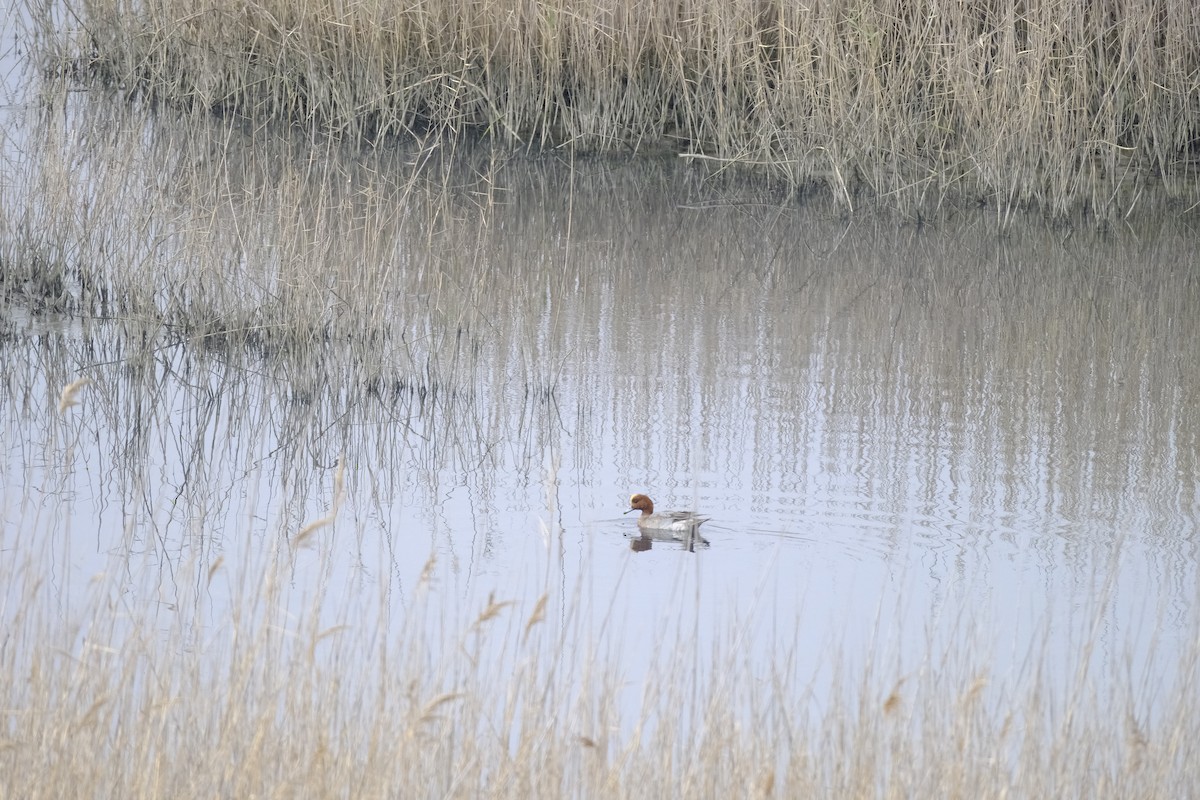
1063, 103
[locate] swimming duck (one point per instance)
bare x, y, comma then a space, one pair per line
680, 522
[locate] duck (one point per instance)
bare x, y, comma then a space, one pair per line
683, 523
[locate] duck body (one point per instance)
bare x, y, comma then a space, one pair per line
680, 523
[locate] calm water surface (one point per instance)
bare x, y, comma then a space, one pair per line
904, 434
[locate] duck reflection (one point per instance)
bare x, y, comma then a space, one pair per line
646, 539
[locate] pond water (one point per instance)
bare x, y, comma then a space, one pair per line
904, 433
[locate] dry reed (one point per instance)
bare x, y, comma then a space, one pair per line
1062, 103
266, 701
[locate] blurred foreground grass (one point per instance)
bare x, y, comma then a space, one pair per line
122, 697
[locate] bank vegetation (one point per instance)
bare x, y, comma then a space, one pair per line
1060, 104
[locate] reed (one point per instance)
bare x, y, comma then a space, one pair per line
270, 697
1058, 103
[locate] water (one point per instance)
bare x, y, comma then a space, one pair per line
906, 435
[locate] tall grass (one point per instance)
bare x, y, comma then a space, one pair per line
1062, 103
117, 695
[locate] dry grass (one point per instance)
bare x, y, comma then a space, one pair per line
116, 697
1063, 103
112, 694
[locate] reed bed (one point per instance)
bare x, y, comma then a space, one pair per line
117, 695
1058, 103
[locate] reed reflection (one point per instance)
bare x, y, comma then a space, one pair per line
452, 327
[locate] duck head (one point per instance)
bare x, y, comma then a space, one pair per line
642, 503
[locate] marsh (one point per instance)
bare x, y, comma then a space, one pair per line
316, 449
